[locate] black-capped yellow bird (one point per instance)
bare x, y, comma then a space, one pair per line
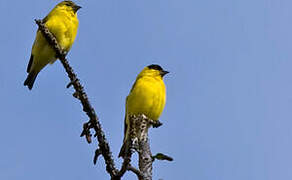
147, 97
62, 22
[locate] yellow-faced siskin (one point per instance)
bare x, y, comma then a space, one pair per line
62, 22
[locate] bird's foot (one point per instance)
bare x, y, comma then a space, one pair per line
155, 124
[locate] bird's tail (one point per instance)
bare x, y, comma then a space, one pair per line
125, 141
123, 150
30, 79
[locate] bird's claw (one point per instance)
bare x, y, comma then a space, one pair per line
156, 124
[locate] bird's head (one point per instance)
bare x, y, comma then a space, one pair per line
69, 6
153, 70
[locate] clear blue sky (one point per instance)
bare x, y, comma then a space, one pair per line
229, 94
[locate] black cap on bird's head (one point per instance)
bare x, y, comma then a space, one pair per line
158, 68
74, 6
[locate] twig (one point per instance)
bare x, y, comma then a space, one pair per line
93, 122
136, 171
96, 154
124, 168
161, 156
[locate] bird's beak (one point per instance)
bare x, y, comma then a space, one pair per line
76, 8
162, 73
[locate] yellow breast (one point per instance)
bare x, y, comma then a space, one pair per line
63, 25
147, 97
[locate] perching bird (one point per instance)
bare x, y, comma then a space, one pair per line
147, 97
62, 22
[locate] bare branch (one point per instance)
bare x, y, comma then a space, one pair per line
142, 124
80, 94
128, 151
145, 160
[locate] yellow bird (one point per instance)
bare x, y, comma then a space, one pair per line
62, 22
147, 97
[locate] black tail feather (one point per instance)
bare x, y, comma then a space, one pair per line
124, 147
123, 150
30, 80
30, 63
